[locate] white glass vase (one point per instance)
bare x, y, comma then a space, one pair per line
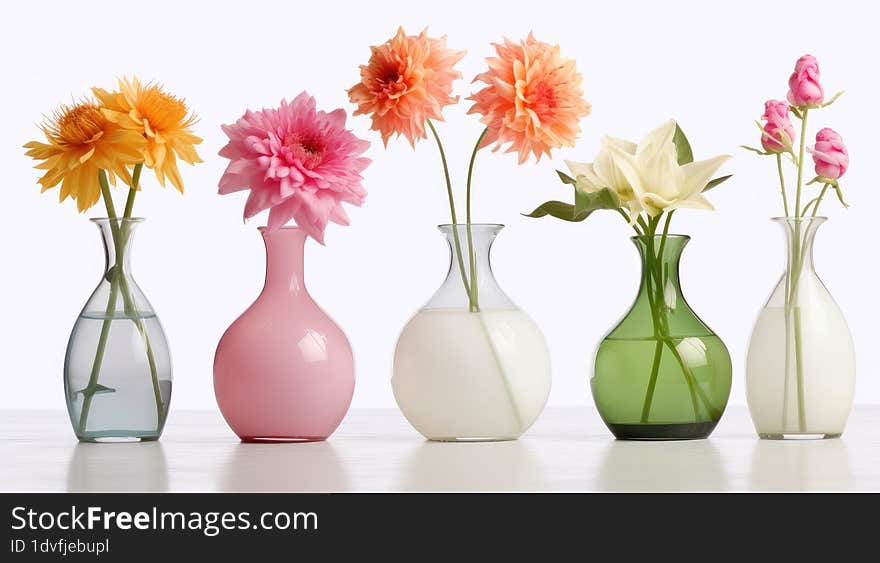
468, 373
801, 369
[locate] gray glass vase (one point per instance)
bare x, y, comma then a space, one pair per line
117, 371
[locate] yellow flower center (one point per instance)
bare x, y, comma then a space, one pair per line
79, 124
163, 111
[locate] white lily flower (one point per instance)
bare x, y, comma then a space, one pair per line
654, 175
603, 173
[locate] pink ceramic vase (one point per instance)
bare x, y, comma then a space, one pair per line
284, 371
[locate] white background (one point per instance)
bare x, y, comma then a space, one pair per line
710, 65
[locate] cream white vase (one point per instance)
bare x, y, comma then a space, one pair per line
465, 373
801, 367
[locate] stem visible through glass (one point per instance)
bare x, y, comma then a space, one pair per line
791, 309
653, 278
455, 236
92, 387
118, 282
474, 293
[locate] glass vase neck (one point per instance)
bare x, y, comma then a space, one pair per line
660, 307
116, 237
479, 235
285, 249
470, 251
661, 254
800, 233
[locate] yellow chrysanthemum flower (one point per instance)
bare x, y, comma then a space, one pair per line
82, 141
163, 119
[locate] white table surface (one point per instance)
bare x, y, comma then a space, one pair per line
376, 450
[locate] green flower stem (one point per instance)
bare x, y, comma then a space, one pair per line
655, 317
692, 381
819, 200
635, 226
800, 163
782, 183
658, 353
661, 334
504, 380
130, 306
474, 293
455, 236
151, 360
796, 260
655, 291
799, 359
791, 310
161, 412
790, 262
91, 387
126, 228
119, 283
132, 192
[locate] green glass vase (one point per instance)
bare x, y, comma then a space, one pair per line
661, 373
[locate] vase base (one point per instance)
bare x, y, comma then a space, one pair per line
686, 431
797, 436
476, 439
117, 438
281, 439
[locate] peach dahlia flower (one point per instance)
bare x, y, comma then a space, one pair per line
407, 81
533, 99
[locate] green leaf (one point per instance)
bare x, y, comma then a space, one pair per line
840, 194
682, 147
716, 182
566, 179
585, 205
587, 202
753, 149
95, 389
832, 100
558, 209
796, 112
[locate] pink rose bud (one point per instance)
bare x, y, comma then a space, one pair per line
778, 131
830, 154
804, 88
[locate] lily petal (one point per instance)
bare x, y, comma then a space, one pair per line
697, 174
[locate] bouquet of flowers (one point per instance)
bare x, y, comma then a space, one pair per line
90, 147
646, 183
531, 103
811, 318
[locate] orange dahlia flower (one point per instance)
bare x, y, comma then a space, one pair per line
533, 100
163, 120
407, 81
82, 141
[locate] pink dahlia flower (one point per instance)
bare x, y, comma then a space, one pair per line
299, 163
